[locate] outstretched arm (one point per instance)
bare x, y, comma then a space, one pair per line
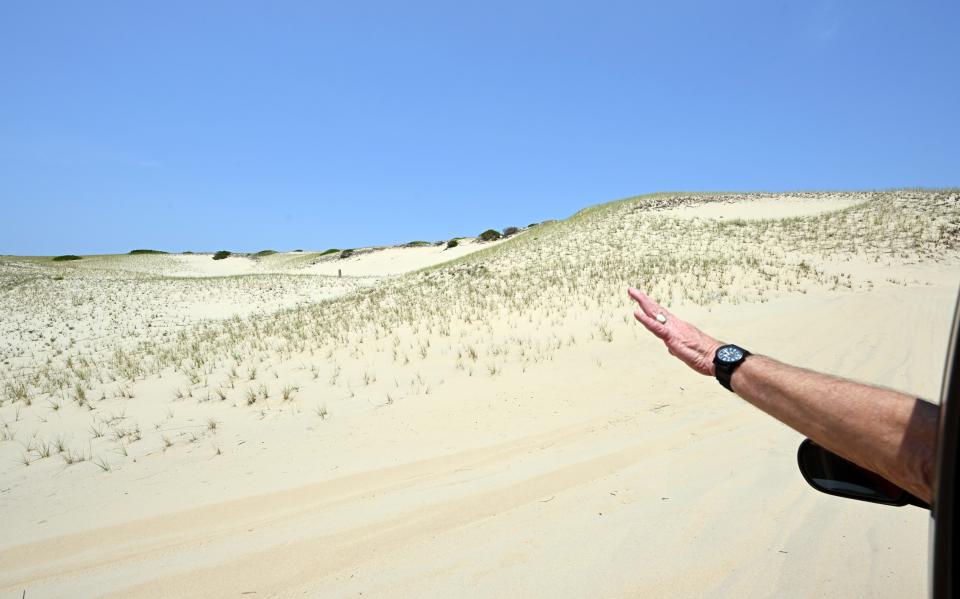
882, 430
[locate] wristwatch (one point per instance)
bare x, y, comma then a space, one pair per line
727, 359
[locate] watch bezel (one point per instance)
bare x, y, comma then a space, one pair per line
741, 353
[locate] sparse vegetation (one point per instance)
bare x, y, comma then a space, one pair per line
346, 254
138, 252
482, 314
263, 253
328, 252
66, 258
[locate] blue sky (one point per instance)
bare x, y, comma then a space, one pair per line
250, 125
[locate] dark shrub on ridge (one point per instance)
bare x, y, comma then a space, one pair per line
221, 255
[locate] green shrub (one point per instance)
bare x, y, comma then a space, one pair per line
221, 255
490, 235
346, 254
135, 252
417, 244
66, 258
297, 250
531, 225
510, 231
330, 251
263, 253
452, 243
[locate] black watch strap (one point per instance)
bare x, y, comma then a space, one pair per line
724, 370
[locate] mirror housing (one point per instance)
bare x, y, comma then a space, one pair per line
829, 473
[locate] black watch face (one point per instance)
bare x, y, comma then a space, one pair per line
730, 354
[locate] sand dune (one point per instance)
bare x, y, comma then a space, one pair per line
495, 426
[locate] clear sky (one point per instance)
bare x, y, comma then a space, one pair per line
250, 125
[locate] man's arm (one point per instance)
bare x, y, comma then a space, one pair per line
884, 431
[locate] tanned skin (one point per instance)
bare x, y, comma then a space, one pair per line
887, 432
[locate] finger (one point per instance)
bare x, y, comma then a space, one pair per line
652, 325
649, 306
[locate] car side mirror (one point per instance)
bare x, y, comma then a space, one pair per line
828, 473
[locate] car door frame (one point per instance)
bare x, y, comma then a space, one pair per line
944, 519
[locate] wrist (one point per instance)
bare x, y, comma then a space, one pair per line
711, 357
747, 369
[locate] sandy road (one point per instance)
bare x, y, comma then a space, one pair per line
290, 538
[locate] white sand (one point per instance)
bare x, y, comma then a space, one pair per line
765, 207
570, 457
